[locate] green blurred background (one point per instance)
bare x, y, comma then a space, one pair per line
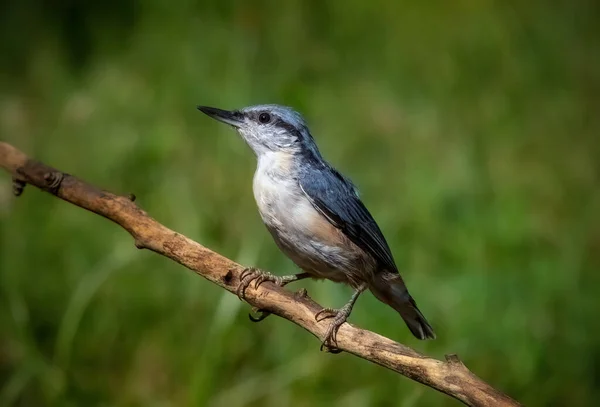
471, 128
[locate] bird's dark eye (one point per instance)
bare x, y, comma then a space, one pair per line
264, 118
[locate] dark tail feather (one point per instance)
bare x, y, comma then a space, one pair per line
390, 289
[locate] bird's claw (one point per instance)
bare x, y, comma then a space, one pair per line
247, 276
339, 318
326, 313
262, 314
258, 276
18, 186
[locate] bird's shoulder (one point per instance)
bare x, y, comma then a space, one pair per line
324, 178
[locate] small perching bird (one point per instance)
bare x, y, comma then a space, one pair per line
316, 217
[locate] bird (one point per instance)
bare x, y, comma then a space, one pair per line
316, 217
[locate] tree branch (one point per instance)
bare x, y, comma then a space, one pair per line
450, 377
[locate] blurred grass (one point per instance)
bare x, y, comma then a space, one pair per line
471, 128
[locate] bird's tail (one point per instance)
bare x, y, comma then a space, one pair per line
389, 288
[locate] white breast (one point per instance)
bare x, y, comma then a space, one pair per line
296, 225
275, 189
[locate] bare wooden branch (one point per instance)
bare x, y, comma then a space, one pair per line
450, 377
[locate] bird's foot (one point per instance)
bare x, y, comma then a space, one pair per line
262, 314
18, 186
257, 276
339, 317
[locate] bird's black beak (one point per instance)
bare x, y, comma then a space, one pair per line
233, 118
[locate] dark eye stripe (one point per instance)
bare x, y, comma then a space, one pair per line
299, 133
302, 135
285, 125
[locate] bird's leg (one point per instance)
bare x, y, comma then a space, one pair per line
258, 276
339, 317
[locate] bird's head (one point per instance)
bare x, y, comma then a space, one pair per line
267, 128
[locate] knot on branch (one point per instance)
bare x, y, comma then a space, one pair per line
454, 360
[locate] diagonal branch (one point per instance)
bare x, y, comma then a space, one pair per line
450, 377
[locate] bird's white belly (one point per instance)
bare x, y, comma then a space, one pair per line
301, 232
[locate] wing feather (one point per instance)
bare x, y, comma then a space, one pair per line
335, 197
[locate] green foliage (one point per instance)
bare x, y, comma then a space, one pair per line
471, 128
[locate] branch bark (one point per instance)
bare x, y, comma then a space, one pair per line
450, 377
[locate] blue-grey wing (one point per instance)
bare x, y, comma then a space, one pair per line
336, 198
